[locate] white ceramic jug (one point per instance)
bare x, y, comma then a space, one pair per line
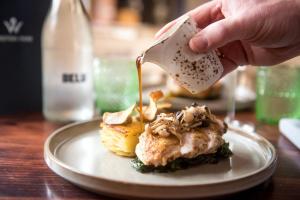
193, 71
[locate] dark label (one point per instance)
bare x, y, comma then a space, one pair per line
73, 78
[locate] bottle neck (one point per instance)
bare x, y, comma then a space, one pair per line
66, 5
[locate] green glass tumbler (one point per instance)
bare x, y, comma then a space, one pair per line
277, 93
116, 84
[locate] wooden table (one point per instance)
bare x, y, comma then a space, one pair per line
24, 174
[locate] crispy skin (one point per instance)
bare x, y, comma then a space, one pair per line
155, 148
158, 151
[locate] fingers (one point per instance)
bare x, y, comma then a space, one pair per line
207, 14
203, 15
216, 35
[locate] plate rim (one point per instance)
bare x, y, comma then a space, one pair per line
51, 159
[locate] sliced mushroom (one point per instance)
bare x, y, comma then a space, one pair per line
149, 112
121, 117
188, 115
163, 105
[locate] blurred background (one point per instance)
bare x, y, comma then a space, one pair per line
73, 59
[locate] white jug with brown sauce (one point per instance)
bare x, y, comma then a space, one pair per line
193, 71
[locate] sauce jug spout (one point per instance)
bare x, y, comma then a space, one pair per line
152, 55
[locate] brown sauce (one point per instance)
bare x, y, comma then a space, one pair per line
139, 70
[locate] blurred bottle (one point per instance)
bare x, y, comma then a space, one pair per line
103, 11
278, 92
67, 63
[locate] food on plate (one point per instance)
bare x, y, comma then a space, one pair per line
176, 90
178, 140
120, 130
223, 152
122, 138
165, 141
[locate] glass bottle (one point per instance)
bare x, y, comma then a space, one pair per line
67, 63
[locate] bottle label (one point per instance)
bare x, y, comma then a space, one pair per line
73, 78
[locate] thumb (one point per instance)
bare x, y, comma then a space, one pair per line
216, 35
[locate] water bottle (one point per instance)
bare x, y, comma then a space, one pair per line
67, 63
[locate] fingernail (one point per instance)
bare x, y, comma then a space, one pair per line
199, 44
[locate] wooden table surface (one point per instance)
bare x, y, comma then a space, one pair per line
24, 174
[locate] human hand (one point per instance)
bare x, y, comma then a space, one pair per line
252, 32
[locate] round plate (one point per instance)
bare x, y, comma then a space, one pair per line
75, 153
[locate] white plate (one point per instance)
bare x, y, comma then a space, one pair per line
75, 153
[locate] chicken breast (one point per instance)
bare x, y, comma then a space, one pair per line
188, 133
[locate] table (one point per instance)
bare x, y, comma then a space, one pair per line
24, 174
